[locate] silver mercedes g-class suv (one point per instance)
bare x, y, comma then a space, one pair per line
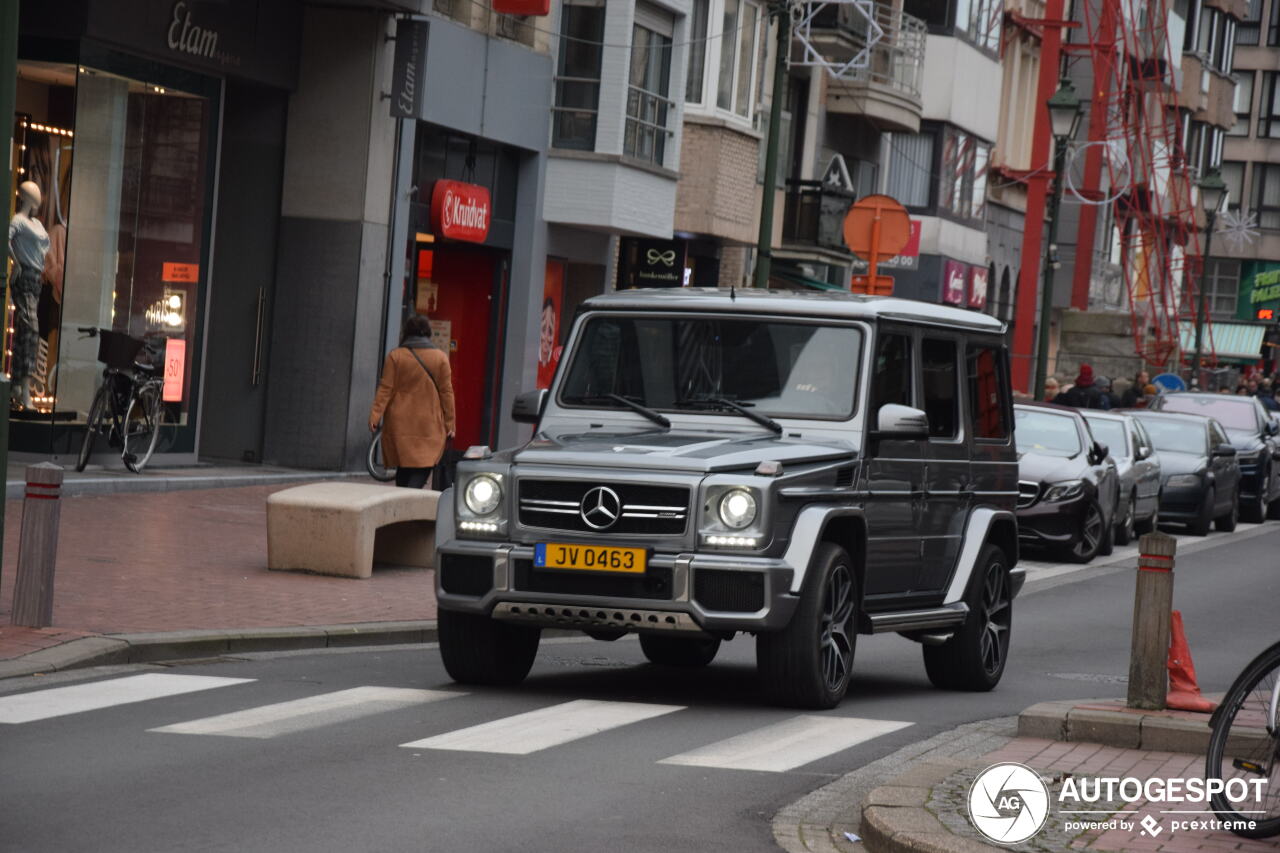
801, 467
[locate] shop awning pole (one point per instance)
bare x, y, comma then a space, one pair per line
8, 83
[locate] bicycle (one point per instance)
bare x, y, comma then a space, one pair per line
1245, 746
128, 407
374, 463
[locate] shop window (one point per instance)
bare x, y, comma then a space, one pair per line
1242, 102
1269, 106
725, 57
910, 167
577, 79
1266, 195
1250, 27
649, 110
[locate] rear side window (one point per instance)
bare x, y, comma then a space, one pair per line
941, 386
891, 382
988, 393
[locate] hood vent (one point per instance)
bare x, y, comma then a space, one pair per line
844, 477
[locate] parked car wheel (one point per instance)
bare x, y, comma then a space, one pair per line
809, 662
1149, 525
679, 651
1227, 522
974, 658
1273, 510
1092, 532
1200, 527
1255, 511
1126, 530
480, 650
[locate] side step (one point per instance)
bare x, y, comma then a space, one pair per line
951, 616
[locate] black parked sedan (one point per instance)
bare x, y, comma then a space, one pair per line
1253, 434
1199, 469
1068, 487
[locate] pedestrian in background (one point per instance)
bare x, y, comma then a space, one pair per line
1136, 391
414, 403
1051, 389
1083, 394
1106, 400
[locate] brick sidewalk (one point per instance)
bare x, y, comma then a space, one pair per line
188, 560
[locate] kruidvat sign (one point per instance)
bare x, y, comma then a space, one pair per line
408, 89
461, 211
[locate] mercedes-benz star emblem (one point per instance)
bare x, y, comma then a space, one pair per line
600, 508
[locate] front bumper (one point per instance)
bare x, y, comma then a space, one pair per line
1181, 503
1052, 524
696, 593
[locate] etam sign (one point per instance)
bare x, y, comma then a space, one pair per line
461, 211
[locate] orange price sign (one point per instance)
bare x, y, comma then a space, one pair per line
175, 363
180, 273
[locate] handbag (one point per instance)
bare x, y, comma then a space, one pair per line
446, 469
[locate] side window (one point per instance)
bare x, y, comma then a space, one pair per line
988, 388
892, 382
1216, 435
1140, 440
941, 386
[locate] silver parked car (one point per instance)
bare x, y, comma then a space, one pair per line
1139, 470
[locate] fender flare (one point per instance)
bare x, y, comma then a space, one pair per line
976, 535
806, 532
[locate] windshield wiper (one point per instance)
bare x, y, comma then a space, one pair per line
763, 420
659, 419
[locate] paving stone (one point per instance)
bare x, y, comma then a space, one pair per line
1047, 720
897, 795
1104, 727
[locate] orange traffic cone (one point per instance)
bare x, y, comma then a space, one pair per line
1184, 692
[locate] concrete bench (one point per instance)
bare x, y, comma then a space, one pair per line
342, 528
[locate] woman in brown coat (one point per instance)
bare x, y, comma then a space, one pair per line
415, 405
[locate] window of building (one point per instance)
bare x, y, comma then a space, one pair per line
648, 107
1216, 41
910, 167
940, 382
1222, 286
1232, 173
578, 77
724, 69
964, 174
1273, 25
987, 403
980, 21
1266, 194
1269, 106
1250, 28
1242, 102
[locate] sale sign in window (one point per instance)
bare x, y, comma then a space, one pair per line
175, 363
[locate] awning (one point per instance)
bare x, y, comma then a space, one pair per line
797, 277
1236, 341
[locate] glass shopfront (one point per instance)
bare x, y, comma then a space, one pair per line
121, 149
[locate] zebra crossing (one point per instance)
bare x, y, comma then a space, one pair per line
777, 747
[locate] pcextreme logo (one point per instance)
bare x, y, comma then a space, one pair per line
1008, 803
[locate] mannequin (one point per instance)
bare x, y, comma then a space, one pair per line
28, 245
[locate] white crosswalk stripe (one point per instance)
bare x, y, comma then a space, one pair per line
77, 698
523, 734
311, 712
787, 745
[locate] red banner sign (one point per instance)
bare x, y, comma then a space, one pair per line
954, 278
175, 363
522, 7
461, 211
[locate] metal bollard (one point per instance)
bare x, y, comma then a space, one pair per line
38, 547
1152, 603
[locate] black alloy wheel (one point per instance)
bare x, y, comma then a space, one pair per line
1089, 540
974, 658
1127, 529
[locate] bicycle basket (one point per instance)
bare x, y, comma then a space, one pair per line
116, 349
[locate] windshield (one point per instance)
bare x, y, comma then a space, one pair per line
1045, 432
1111, 433
770, 367
1175, 435
1231, 413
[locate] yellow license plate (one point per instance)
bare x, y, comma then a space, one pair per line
590, 558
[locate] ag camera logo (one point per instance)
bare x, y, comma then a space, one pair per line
1008, 803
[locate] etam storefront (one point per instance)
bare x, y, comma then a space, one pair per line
144, 124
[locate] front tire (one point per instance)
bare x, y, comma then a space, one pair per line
143, 423
1127, 530
1245, 746
97, 410
1227, 523
808, 664
479, 650
1255, 511
1091, 535
1200, 526
974, 658
687, 652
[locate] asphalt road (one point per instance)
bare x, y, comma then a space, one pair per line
667, 760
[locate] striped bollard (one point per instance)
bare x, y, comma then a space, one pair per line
1152, 603
38, 547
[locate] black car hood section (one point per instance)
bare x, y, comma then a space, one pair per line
1046, 468
676, 451
1177, 462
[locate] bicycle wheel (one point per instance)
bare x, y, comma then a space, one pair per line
143, 422
93, 424
1245, 746
373, 461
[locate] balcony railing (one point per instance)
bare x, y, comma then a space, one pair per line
813, 213
896, 60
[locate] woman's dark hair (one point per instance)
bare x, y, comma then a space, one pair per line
416, 326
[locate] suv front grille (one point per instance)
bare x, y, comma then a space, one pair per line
643, 509
1028, 492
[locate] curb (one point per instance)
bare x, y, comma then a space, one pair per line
155, 647
118, 484
1162, 731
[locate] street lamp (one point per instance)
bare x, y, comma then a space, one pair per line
1212, 191
1064, 118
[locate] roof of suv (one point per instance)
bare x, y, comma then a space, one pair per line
792, 302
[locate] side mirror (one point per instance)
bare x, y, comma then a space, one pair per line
527, 408
1144, 452
1100, 451
1272, 427
1224, 450
895, 421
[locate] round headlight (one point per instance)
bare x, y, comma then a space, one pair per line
737, 508
483, 494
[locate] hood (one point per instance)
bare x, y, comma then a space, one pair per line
1177, 462
1045, 468
675, 450
1244, 441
